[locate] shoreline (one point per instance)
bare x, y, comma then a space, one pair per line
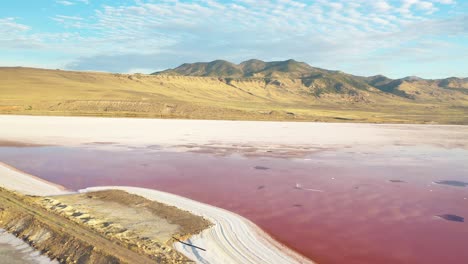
231, 231
233, 120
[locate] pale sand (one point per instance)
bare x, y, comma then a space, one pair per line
233, 239
74, 131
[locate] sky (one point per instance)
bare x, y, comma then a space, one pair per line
396, 38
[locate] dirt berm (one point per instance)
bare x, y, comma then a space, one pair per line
102, 227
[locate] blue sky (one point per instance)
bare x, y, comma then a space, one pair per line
397, 38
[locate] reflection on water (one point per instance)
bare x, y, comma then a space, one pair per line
344, 206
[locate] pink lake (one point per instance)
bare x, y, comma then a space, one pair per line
353, 205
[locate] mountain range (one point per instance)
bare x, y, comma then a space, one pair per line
320, 81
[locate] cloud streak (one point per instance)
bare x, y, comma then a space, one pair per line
64, 2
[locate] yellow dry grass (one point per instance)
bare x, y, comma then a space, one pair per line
55, 92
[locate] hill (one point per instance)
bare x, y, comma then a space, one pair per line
252, 90
250, 68
322, 81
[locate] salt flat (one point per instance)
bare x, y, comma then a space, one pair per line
171, 132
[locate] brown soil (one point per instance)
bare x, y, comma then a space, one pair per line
188, 223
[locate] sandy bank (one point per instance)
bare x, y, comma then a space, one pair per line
233, 239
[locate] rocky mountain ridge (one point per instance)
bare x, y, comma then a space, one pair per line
320, 81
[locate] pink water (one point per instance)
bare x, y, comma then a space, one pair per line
358, 215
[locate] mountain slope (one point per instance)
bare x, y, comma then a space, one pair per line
320, 82
250, 68
214, 68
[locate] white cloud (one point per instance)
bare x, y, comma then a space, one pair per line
382, 6
71, 2
9, 25
64, 2
335, 5
445, 2
63, 18
14, 35
426, 6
